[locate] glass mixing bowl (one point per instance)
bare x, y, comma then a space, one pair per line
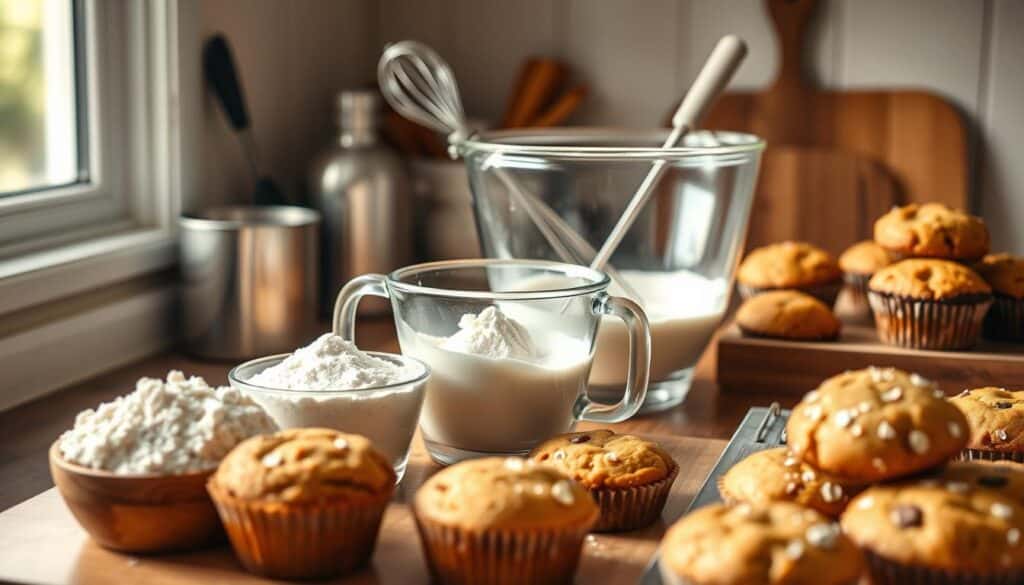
679, 258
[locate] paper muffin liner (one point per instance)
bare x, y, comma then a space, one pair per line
927, 324
458, 556
886, 572
826, 293
990, 455
300, 541
1005, 320
856, 287
633, 508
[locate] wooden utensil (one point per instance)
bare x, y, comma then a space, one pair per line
138, 513
538, 81
561, 109
919, 137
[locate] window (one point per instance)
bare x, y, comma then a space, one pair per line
39, 99
92, 153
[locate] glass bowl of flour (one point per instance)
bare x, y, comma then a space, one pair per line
332, 384
678, 259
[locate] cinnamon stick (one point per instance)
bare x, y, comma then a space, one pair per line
542, 78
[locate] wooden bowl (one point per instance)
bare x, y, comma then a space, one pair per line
144, 513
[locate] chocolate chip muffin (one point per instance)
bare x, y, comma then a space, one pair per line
791, 266
628, 477
787, 314
876, 424
995, 417
1005, 274
1002, 476
859, 263
780, 543
776, 475
929, 304
503, 520
303, 503
938, 531
932, 230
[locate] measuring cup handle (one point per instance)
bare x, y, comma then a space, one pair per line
347, 303
639, 361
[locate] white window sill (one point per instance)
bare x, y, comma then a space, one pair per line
59, 272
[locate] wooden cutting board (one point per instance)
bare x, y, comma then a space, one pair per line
918, 137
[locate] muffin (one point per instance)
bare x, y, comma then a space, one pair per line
780, 543
874, 425
937, 532
929, 304
776, 475
787, 314
790, 265
859, 263
932, 230
995, 417
1005, 274
1002, 476
303, 503
503, 520
628, 477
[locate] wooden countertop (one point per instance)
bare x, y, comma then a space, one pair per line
31, 531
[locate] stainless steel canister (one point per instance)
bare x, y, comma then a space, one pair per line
250, 279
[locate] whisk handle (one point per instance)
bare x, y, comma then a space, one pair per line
723, 62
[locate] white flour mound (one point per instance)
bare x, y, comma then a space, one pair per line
492, 334
330, 363
174, 427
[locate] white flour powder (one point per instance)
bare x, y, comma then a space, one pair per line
329, 384
330, 363
173, 427
492, 334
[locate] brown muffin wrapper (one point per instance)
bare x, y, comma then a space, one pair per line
1005, 320
929, 324
886, 572
302, 541
986, 455
826, 293
457, 556
633, 508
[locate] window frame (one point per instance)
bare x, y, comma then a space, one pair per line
143, 91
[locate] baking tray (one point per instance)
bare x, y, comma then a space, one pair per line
762, 428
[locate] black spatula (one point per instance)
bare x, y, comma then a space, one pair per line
219, 68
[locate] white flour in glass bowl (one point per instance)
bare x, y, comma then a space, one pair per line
333, 384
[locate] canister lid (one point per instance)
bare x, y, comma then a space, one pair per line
357, 109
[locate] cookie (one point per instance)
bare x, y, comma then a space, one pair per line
876, 424
787, 314
938, 531
995, 417
1005, 274
932, 230
780, 543
776, 475
627, 476
929, 304
790, 265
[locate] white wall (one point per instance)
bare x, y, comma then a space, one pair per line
639, 56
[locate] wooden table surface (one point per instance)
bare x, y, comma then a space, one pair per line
30, 533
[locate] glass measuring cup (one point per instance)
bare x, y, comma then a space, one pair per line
510, 344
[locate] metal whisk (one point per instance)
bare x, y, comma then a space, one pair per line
420, 86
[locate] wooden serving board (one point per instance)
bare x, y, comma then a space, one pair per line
41, 543
791, 368
837, 159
